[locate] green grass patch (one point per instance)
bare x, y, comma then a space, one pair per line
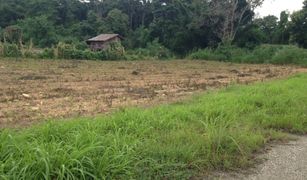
274, 54
218, 130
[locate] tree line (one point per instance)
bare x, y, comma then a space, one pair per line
179, 25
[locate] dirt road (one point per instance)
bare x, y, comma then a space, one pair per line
287, 162
282, 162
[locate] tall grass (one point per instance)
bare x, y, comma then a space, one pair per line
275, 54
217, 130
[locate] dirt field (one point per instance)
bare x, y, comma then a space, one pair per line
32, 91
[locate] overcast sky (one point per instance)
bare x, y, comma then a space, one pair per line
274, 7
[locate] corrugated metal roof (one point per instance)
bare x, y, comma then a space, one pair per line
104, 37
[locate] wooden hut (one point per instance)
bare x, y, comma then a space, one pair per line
103, 41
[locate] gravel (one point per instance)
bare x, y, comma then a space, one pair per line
282, 162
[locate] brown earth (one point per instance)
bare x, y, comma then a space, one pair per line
33, 91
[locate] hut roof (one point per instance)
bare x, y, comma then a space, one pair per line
104, 37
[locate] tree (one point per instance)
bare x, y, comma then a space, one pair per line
40, 30
228, 16
10, 12
249, 36
117, 22
179, 25
268, 25
298, 26
282, 33
138, 38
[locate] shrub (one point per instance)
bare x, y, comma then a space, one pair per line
157, 50
81, 45
207, 54
290, 55
222, 53
133, 57
78, 51
48, 53
264, 53
11, 50
115, 52
1, 49
29, 54
276, 54
232, 53
64, 51
67, 51
153, 50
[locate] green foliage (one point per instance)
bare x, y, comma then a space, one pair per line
249, 37
63, 51
81, 45
180, 26
268, 25
290, 55
222, 53
10, 50
138, 38
48, 53
272, 30
218, 130
207, 54
40, 30
68, 51
276, 54
117, 22
298, 27
153, 50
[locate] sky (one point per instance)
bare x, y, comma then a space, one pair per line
275, 7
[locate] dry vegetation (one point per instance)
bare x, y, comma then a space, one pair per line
31, 91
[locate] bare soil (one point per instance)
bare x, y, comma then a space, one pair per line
33, 91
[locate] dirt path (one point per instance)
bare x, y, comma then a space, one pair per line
282, 162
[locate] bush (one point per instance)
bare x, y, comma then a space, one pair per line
81, 45
11, 50
232, 53
115, 51
208, 54
153, 50
48, 53
78, 51
1, 50
264, 53
67, 51
28, 54
133, 57
222, 53
276, 54
290, 55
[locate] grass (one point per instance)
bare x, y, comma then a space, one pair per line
217, 130
273, 54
